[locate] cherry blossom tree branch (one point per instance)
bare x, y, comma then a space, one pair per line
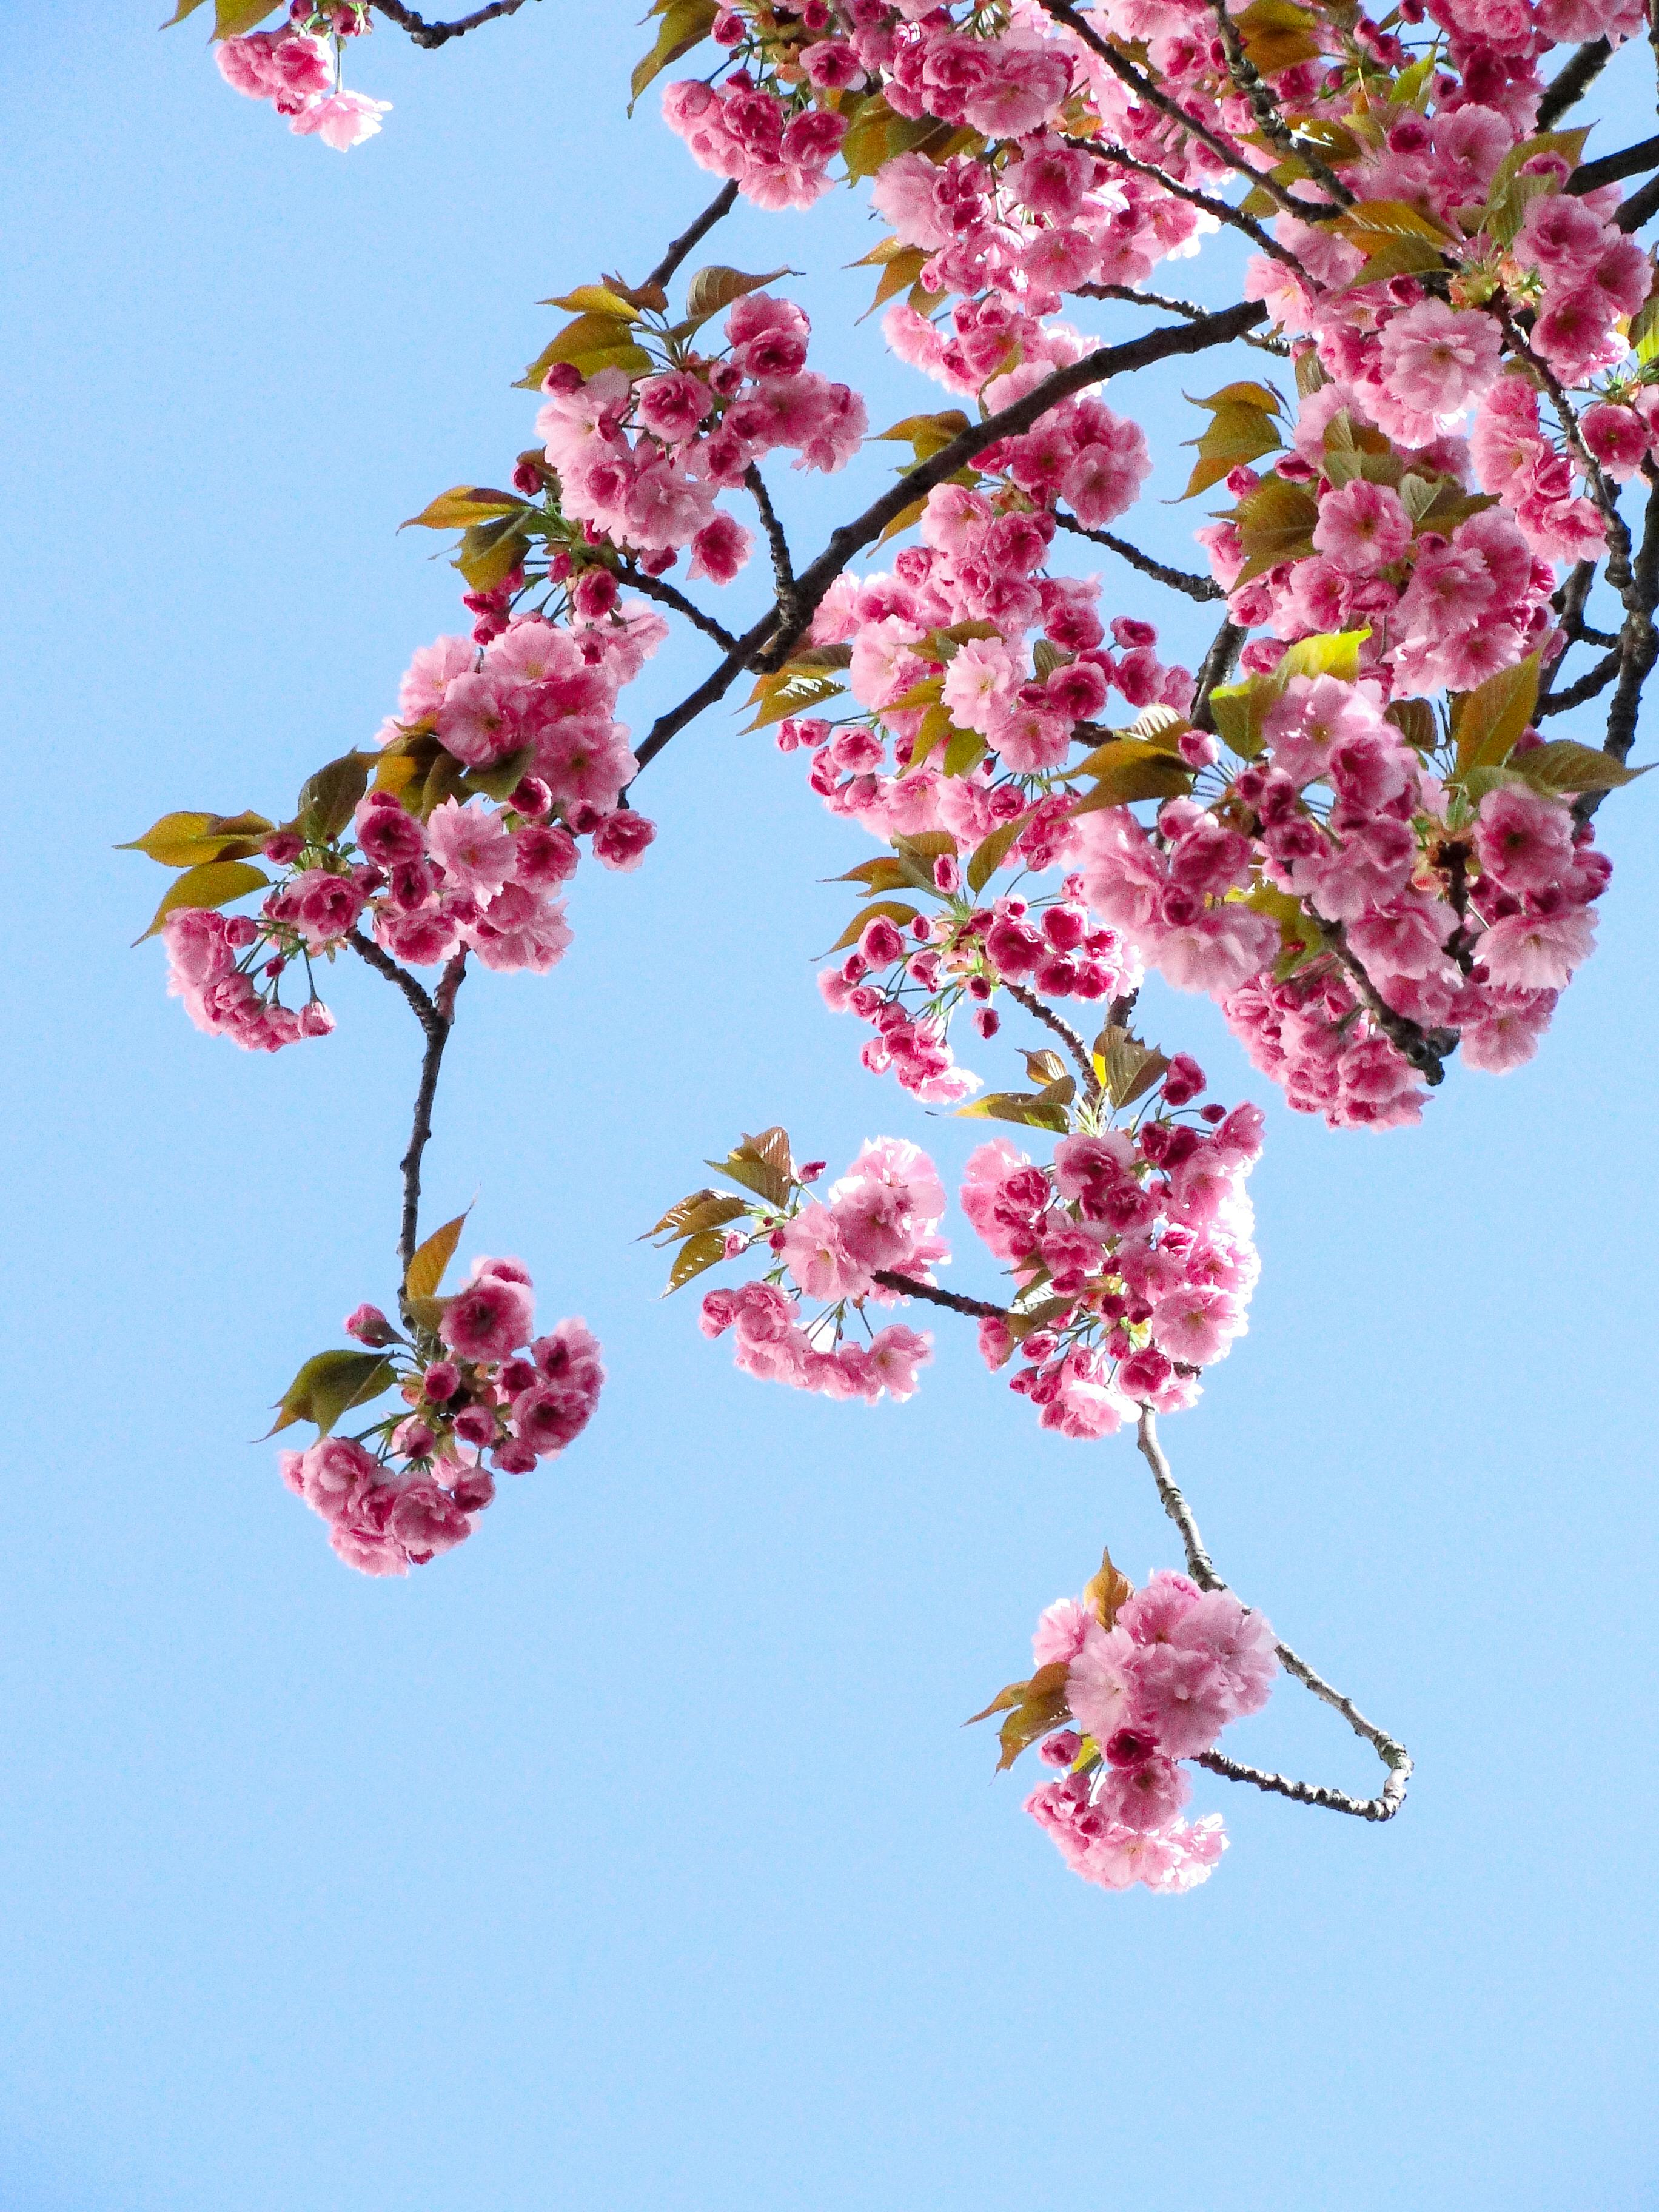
1641, 207
783, 572
1223, 211
1264, 108
1426, 1053
1062, 1029
909, 1285
1217, 665
1200, 1566
1145, 88
1572, 82
384, 965
669, 595
431, 35
437, 1037
1195, 587
779, 639
1631, 161
1170, 306
721, 205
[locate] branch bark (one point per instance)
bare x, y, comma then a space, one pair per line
982, 1308
431, 35
1195, 587
1200, 1566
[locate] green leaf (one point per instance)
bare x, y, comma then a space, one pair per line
926, 434
232, 18
715, 288
1336, 653
461, 506
490, 552
1127, 1068
500, 781
1277, 35
1240, 432
991, 851
426, 1269
328, 799
329, 1385
1033, 1708
1275, 522
183, 841
1644, 331
1128, 768
184, 7
594, 299
1036, 1109
213, 884
889, 909
1486, 721
685, 24
1563, 766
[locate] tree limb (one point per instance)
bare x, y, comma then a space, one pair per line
1224, 211
1063, 1030
1195, 587
890, 1280
422, 33
669, 595
723, 204
1632, 162
1572, 82
1200, 1566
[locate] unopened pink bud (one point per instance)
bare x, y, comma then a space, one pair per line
442, 1381
370, 1326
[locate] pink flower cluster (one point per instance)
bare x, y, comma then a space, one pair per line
641, 460
225, 969
743, 131
1134, 1256
1157, 1687
295, 71
881, 1217
496, 1389
907, 984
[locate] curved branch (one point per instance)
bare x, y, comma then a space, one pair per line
422, 33
1195, 587
383, 964
783, 572
1168, 305
1200, 1566
409, 1233
1612, 168
669, 595
1265, 107
1223, 211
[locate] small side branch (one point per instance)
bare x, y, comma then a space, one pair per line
1217, 668
723, 204
1178, 579
1200, 1566
1613, 168
409, 1234
1426, 1050
783, 572
1062, 1029
1167, 304
422, 33
1223, 211
909, 1287
669, 595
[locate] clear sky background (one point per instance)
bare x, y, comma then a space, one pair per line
635, 1856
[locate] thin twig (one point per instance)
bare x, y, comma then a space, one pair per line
982, 1308
1594, 680
408, 1235
422, 33
1223, 211
1425, 1052
669, 595
723, 204
366, 949
1200, 1566
1062, 1029
1195, 587
1170, 305
1641, 207
1216, 667
1145, 88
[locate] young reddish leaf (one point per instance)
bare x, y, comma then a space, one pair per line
696, 1254
715, 288
1106, 1593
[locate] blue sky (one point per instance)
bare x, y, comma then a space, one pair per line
635, 1856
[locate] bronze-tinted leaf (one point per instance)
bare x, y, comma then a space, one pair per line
215, 883
696, 1254
426, 1269
329, 1386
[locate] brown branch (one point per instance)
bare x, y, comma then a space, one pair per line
437, 1037
1425, 1051
1195, 587
1573, 81
1594, 680
1062, 1029
1264, 106
1167, 304
778, 640
723, 204
669, 595
1200, 1566
383, 964
1145, 88
1223, 211
422, 33
1612, 168
783, 572
1641, 207
890, 1280
1216, 667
